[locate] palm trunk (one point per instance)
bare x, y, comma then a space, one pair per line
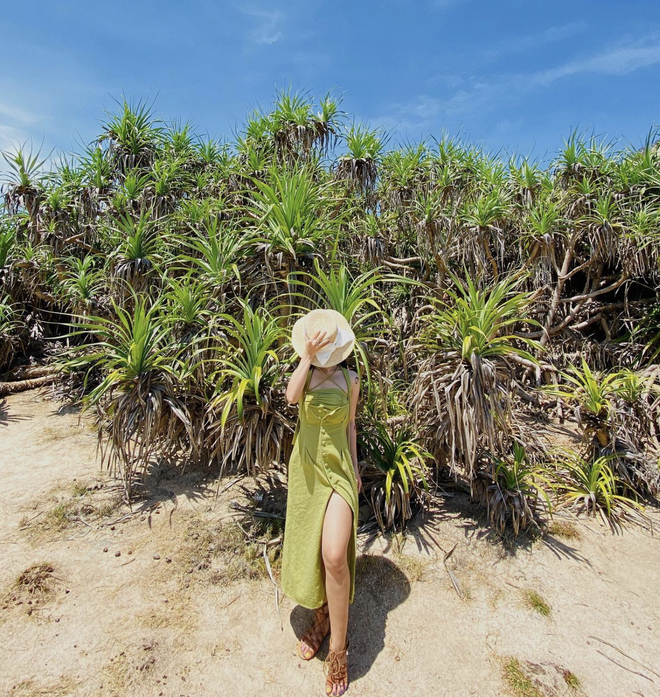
23, 385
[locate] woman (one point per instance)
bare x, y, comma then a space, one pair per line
320, 537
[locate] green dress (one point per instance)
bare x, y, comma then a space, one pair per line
320, 462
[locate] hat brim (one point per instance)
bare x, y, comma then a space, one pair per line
339, 354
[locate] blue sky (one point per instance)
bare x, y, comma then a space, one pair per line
513, 76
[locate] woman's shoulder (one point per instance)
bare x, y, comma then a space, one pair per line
353, 377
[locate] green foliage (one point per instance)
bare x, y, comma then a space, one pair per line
183, 262
537, 603
476, 322
7, 241
215, 253
363, 143
127, 348
138, 250
82, 282
593, 487
292, 212
515, 486
25, 169
631, 387
517, 681
136, 399
400, 457
591, 392
249, 361
133, 136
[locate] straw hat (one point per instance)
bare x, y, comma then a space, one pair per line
338, 331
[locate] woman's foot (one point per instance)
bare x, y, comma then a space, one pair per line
314, 636
336, 667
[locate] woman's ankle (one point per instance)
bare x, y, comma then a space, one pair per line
337, 646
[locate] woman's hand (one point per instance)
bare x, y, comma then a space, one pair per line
359, 481
315, 342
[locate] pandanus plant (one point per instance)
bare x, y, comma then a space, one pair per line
137, 253
82, 284
297, 130
292, 215
24, 186
402, 172
617, 412
359, 166
591, 486
215, 251
636, 414
462, 394
246, 420
540, 237
482, 218
139, 409
9, 328
512, 488
133, 137
7, 242
590, 393
399, 475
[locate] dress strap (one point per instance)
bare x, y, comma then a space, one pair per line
348, 382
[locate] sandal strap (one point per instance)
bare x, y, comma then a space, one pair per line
336, 669
316, 634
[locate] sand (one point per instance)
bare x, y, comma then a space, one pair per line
190, 623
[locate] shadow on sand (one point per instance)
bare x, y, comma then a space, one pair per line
470, 517
6, 417
380, 587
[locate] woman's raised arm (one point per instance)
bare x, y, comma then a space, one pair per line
297, 380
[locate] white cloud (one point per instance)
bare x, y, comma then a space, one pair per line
425, 111
10, 137
528, 42
620, 61
267, 25
14, 131
18, 114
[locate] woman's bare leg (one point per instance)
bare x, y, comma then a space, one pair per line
337, 529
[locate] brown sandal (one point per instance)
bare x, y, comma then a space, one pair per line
336, 667
315, 635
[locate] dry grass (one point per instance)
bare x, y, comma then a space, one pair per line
36, 580
31, 589
177, 613
571, 680
222, 552
50, 434
561, 528
63, 687
537, 603
412, 566
519, 684
67, 507
125, 672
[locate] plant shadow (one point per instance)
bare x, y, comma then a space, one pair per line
6, 417
457, 509
166, 480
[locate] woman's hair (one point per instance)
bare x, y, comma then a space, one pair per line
341, 364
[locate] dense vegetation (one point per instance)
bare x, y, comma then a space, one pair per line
161, 273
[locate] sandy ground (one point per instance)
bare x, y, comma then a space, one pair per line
193, 626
